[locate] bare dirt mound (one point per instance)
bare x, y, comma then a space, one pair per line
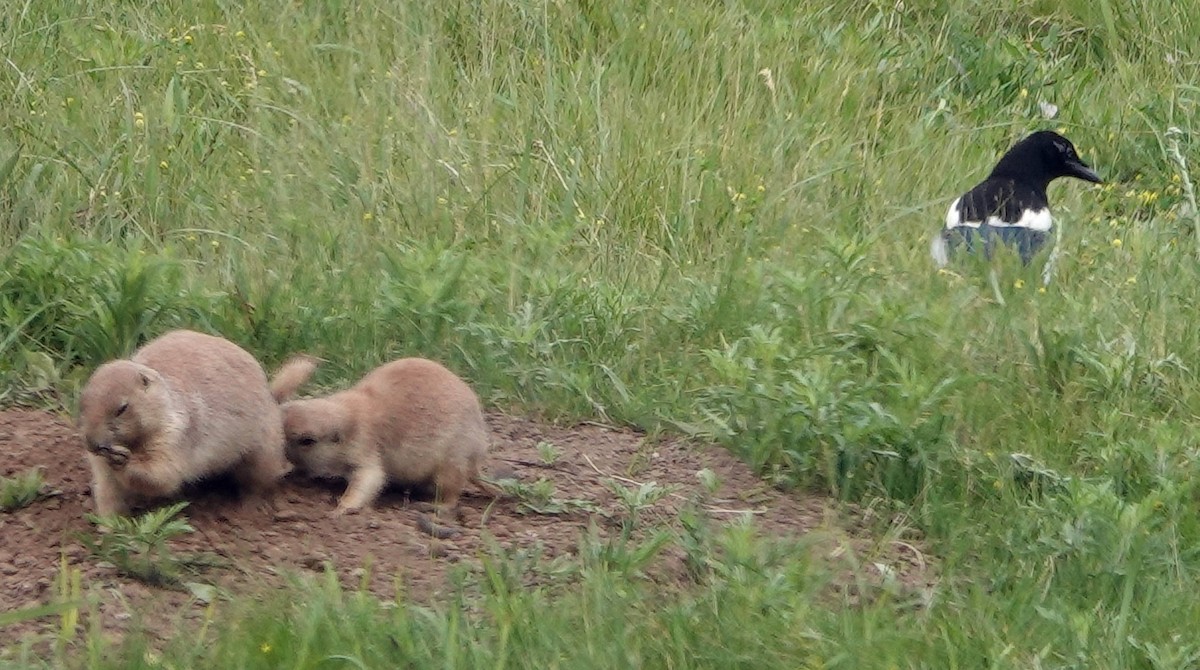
260, 546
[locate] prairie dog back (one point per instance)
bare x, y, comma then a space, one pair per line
223, 390
411, 421
427, 409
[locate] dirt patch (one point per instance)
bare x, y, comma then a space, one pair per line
261, 545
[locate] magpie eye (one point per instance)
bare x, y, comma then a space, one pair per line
121, 410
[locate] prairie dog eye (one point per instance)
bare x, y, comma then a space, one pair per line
121, 409
306, 441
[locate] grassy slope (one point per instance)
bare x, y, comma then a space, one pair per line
613, 209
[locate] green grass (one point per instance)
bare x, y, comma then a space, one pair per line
699, 217
21, 489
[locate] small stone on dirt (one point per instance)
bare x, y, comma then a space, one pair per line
504, 472
313, 561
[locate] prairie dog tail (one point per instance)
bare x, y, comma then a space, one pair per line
292, 375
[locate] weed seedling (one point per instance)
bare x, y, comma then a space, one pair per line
21, 489
538, 498
637, 500
709, 480
138, 546
548, 452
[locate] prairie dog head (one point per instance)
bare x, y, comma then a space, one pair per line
317, 436
122, 405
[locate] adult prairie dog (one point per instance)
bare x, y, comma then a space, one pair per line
184, 406
408, 422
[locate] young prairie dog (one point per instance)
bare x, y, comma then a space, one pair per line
184, 406
408, 422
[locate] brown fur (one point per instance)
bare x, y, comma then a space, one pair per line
184, 406
289, 378
410, 422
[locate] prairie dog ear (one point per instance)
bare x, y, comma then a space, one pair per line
145, 379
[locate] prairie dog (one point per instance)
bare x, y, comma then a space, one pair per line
410, 421
184, 406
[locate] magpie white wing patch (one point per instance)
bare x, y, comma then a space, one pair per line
1031, 219
952, 215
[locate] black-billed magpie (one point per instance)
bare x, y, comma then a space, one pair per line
1010, 206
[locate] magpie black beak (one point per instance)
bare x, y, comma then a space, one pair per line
1081, 170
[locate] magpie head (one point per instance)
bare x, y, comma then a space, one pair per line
1043, 157
1062, 156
